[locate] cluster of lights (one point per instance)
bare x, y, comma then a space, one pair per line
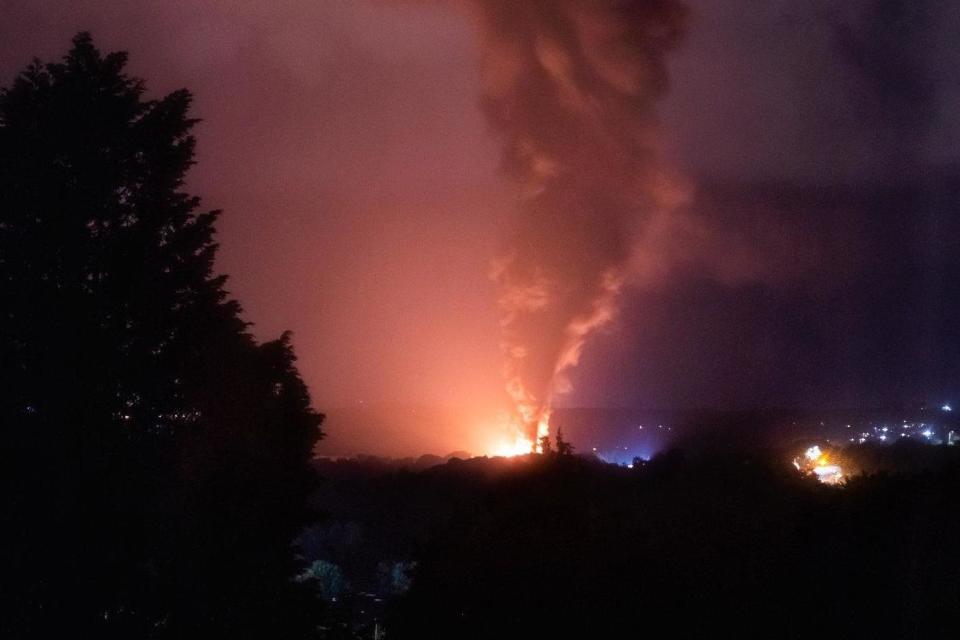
884, 433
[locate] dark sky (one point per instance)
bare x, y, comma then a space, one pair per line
364, 199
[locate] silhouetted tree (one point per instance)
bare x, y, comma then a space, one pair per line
545, 447
564, 448
158, 456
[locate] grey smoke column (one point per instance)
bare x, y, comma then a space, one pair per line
571, 85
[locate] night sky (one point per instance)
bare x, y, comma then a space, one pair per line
365, 198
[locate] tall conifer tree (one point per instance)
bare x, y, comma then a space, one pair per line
158, 455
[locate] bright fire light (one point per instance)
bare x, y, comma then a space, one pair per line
828, 473
512, 441
817, 463
507, 447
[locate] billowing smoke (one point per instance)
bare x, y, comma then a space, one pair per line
572, 86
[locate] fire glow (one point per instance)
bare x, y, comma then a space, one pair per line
512, 439
817, 463
508, 448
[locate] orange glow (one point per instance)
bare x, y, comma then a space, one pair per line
512, 439
507, 448
817, 463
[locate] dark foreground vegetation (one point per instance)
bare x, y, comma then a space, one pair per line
156, 457
688, 545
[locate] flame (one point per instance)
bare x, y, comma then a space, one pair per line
817, 463
514, 438
828, 474
507, 447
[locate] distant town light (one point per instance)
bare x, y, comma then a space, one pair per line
946, 408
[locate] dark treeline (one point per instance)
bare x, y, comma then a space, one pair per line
156, 457
693, 545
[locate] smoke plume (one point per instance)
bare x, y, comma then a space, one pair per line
571, 86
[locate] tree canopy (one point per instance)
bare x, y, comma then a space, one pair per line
159, 455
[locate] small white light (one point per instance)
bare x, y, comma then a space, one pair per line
946, 407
